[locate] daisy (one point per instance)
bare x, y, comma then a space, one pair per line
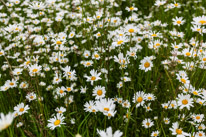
21, 109
17, 71
147, 107
165, 105
177, 5
155, 133
118, 41
200, 20
60, 91
31, 96
106, 106
6, 120
131, 29
132, 8
60, 110
88, 63
56, 121
178, 21
159, 2
185, 101
96, 55
147, 123
166, 120
57, 79
11, 83
99, 92
201, 127
126, 104
198, 118
183, 79
90, 106
178, 131
83, 90
34, 69
86, 53
71, 34
150, 97
70, 88
37, 5
146, 64
108, 133
200, 134
19, 124
139, 98
173, 104
94, 76
23, 85
197, 28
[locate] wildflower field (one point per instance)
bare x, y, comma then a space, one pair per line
102, 68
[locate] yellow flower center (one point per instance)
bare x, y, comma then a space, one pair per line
147, 123
61, 91
184, 102
58, 42
146, 64
176, 4
139, 99
154, 35
197, 117
21, 109
149, 98
188, 54
198, 29
99, 92
88, 63
195, 92
132, 54
131, 30
57, 122
119, 42
93, 78
34, 70
183, 80
11, 83
96, 55
158, 44
131, 8
68, 89
27, 63
155, 134
106, 109
179, 131
202, 21
93, 110
179, 22
200, 134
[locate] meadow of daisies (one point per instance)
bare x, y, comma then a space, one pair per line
102, 68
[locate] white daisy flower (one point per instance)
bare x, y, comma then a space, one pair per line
56, 121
